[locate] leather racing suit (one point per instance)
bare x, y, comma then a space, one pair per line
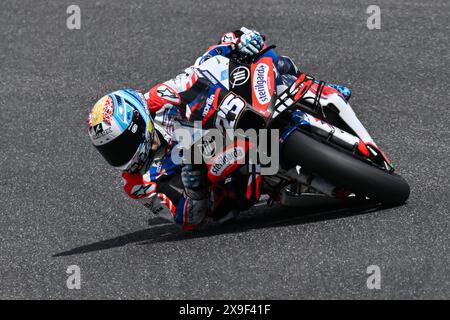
160, 188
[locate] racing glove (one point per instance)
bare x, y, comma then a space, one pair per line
250, 42
194, 181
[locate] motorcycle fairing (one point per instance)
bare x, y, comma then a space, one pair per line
243, 79
216, 70
263, 84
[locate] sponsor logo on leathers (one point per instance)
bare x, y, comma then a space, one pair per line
167, 93
208, 105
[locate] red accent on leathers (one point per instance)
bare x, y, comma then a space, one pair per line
137, 187
155, 102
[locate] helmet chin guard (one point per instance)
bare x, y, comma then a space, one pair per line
142, 157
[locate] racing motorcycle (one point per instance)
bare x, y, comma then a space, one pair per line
319, 151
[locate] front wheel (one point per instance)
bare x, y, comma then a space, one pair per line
344, 170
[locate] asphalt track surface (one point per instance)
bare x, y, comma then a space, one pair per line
62, 205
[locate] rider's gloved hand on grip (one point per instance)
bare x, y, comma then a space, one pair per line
250, 43
194, 181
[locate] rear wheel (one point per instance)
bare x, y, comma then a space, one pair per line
344, 170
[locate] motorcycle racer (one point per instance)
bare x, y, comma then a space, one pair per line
123, 120
122, 129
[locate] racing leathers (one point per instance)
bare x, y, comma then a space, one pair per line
180, 193
175, 192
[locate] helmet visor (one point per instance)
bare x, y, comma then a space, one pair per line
122, 149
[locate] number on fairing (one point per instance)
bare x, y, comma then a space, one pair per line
229, 110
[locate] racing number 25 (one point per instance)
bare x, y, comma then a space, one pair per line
229, 110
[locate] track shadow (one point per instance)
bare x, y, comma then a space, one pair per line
277, 216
